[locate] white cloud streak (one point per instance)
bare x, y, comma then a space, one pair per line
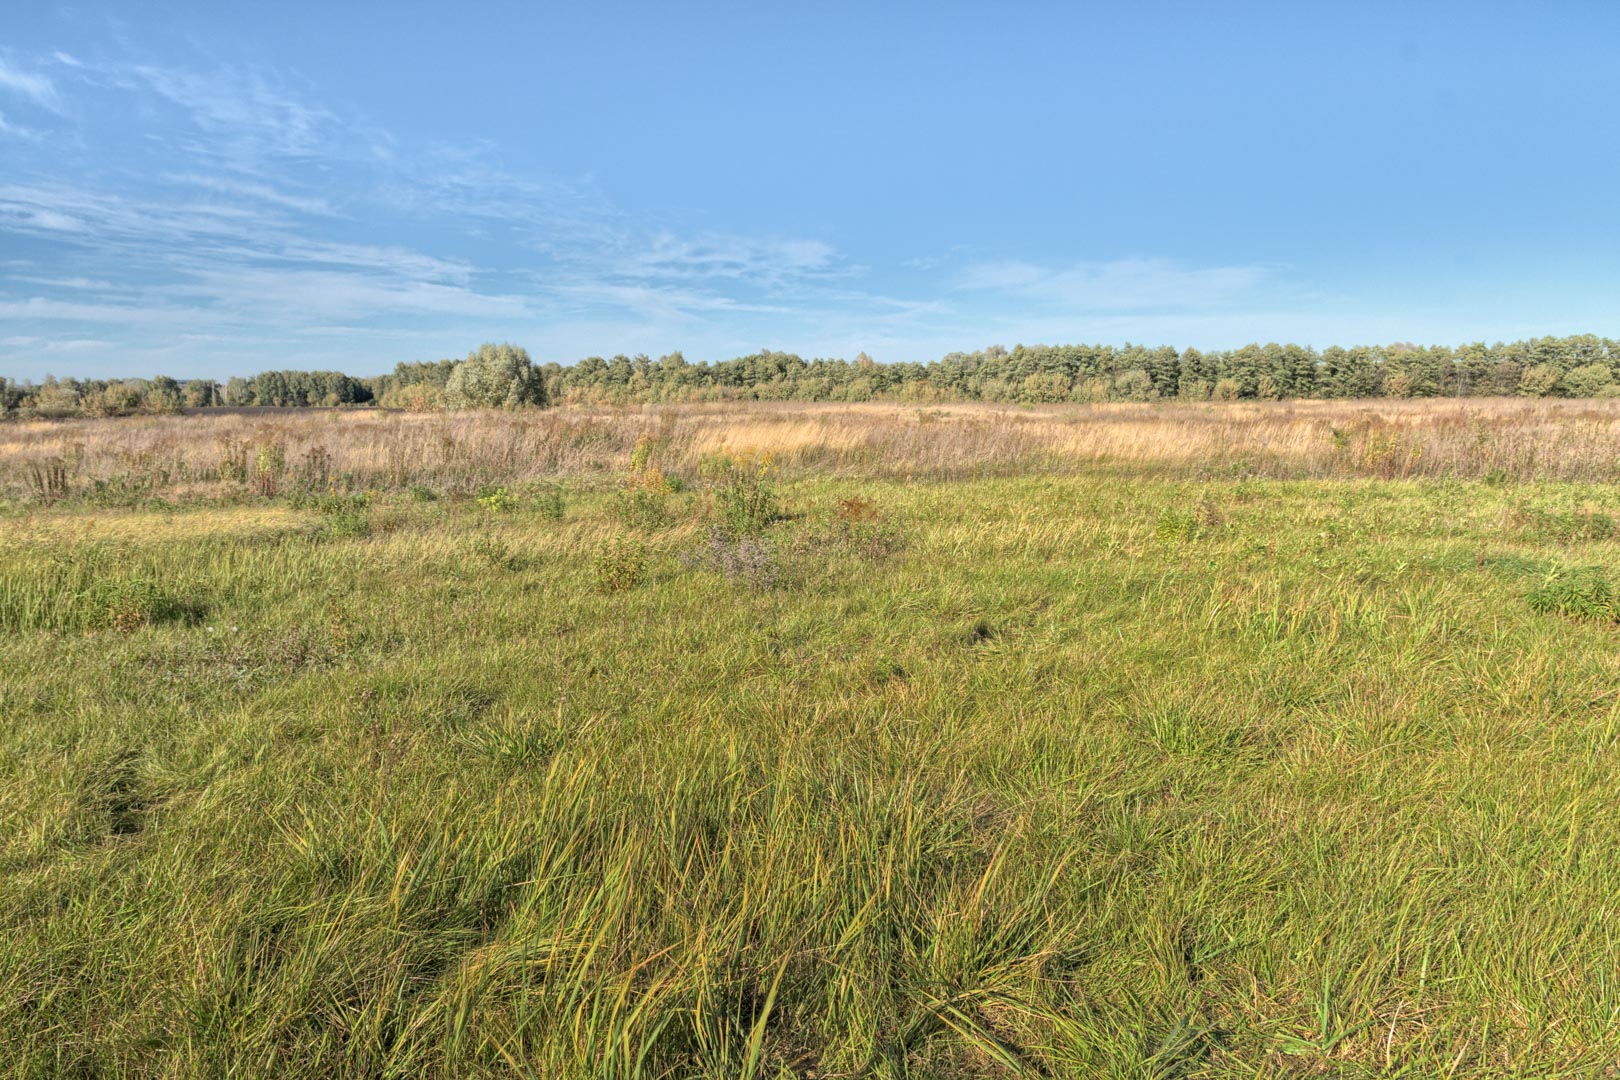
251, 227
257, 192
35, 88
18, 131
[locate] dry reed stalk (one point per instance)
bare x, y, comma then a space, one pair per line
1505, 438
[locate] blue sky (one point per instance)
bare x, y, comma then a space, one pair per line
218, 188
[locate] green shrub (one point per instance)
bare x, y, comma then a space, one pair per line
495, 377
332, 503
642, 454
1180, 526
413, 397
1588, 380
346, 516
125, 490
643, 509
270, 460
496, 499
349, 525
745, 500
1175, 526
497, 553
269, 465
621, 565
549, 504
643, 501
1540, 380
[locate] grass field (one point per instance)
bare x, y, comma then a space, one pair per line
637, 763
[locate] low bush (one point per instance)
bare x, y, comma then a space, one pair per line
621, 565
348, 525
515, 741
745, 501
497, 553
549, 504
643, 501
643, 509
496, 499
1181, 526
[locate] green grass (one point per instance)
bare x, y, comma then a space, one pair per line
1067, 777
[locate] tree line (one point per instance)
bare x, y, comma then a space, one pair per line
1581, 366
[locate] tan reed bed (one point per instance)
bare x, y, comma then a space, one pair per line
1505, 439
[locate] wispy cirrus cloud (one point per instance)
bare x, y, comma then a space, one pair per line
247, 115
47, 310
251, 208
652, 301
32, 86
183, 233
193, 212
257, 192
19, 131
243, 237
765, 260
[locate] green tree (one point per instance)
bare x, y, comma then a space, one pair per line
1540, 380
1242, 367
1134, 385
496, 377
1586, 380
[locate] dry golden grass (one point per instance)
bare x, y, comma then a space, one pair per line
126, 527
180, 456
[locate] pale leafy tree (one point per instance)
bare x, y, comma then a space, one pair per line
1588, 380
1135, 385
1540, 380
495, 377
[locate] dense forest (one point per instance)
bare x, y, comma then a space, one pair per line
503, 375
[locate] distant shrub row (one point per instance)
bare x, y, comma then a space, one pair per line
503, 376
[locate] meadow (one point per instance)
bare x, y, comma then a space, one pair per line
1182, 740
